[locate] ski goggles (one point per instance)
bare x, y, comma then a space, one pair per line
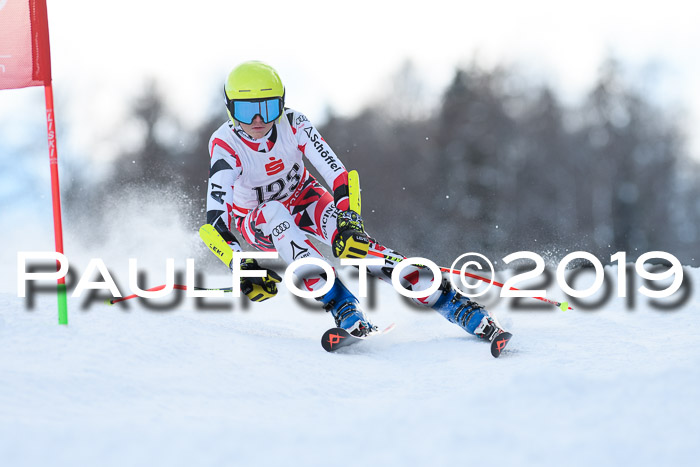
245, 111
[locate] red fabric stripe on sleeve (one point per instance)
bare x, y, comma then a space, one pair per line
224, 145
341, 182
343, 205
341, 179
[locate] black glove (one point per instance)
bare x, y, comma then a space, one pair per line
351, 241
258, 289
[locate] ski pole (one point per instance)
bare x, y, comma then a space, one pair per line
355, 204
161, 287
563, 306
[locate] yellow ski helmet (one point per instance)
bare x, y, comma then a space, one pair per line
254, 88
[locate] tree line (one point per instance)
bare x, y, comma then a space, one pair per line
497, 165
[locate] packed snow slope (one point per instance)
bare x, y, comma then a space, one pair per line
249, 384
252, 386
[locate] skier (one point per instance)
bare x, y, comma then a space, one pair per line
259, 187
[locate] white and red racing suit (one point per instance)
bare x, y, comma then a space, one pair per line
261, 188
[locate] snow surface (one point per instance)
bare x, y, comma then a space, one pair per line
250, 385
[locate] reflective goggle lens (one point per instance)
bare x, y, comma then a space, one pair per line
268, 109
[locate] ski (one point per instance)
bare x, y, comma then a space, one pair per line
337, 338
499, 343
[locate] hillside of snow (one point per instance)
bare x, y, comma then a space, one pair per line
236, 383
252, 386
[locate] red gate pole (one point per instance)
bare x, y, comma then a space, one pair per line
56, 197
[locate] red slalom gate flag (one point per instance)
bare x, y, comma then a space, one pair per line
24, 44
25, 60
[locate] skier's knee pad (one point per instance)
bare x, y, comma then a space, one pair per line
277, 218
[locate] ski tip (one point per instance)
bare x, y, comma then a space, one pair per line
334, 339
499, 343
